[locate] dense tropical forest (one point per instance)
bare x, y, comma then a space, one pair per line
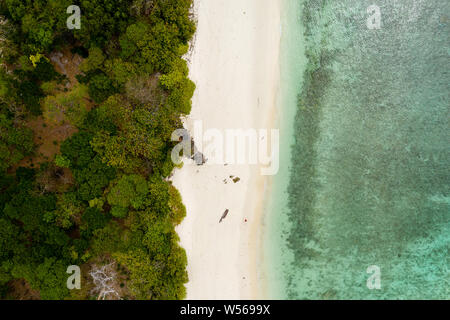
86, 117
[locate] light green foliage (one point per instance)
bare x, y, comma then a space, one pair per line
62, 161
177, 208
94, 61
145, 132
176, 273
119, 212
26, 63
158, 199
111, 149
129, 191
159, 233
68, 208
109, 239
96, 203
117, 109
37, 58
179, 86
67, 106
120, 71
156, 46
145, 273
48, 277
49, 87
159, 274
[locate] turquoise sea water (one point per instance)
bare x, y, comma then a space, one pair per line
365, 154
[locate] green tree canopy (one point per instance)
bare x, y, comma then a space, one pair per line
129, 191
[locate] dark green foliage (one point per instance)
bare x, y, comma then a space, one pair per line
44, 71
14, 144
130, 191
101, 87
92, 220
114, 202
27, 85
41, 22
99, 119
49, 277
77, 150
144, 138
91, 175
31, 95
82, 51
101, 20
109, 239
30, 244
93, 179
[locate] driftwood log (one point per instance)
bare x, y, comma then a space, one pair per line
224, 215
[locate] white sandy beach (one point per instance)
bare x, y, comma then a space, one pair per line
235, 65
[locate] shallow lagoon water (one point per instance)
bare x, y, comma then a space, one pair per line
368, 169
